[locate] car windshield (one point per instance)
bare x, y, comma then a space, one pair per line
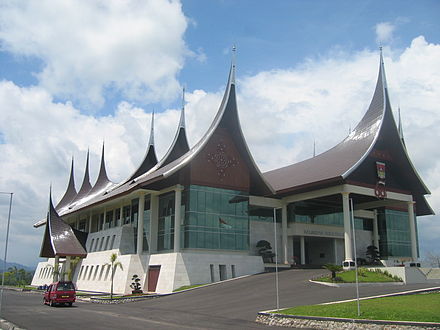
65, 286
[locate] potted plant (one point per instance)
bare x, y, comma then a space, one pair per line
135, 285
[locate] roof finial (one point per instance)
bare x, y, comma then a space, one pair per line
151, 142
182, 114
234, 49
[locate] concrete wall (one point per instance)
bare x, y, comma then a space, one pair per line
261, 230
410, 275
93, 273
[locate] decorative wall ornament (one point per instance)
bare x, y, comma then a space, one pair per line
380, 190
222, 160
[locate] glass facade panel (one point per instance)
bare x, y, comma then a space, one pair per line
146, 221
331, 219
394, 233
215, 219
165, 232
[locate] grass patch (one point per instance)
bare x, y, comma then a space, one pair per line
185, 287
418, 308
364, 275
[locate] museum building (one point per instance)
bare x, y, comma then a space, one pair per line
196, 215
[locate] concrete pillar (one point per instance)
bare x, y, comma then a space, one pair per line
335, 250
412, 229
347, 227
90, 222
284, 233
67, 267
121, 215
302, 247
177, 218
290, 248
375, 231
56, 269
140, 224
154, 219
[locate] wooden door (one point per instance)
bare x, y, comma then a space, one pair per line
153, 276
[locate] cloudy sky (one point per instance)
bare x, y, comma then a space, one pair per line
75, 73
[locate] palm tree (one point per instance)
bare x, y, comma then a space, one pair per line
333, 269
114, 263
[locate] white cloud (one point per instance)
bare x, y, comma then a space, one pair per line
384, 32
140, 40
281, 112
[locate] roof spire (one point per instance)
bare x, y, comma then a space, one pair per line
151, 142
70, 193
232, 78
182, 114
382, 70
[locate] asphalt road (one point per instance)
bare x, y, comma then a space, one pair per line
227, 305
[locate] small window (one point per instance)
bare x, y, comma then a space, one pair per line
106, 242
233, 271
112, 243
222, 272
96, 245
91, 245
100, 246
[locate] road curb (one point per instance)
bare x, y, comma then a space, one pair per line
6, 325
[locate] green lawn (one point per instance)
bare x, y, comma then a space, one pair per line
367, 276
420, 308
185, 287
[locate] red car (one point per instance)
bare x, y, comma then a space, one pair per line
62, 292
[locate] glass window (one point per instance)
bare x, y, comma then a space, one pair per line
165, 233
215, 219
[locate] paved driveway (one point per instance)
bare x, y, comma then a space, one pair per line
227, 305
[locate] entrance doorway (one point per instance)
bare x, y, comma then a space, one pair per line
153, 276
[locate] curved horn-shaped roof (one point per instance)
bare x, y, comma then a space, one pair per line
70, 193
150, 159
102, 182
340, 162
60, 238
226, 115
86, 186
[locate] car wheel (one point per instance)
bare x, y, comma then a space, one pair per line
70, 304
51, 303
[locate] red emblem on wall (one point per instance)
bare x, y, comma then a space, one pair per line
380, 190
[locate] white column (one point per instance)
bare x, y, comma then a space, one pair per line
412, 229
90, 222
290, 248
56, 269
140, 224
375, 231
67, 268
121, 215
177, 218
302, 248
335, 250
154, 219
284, 232
347, 227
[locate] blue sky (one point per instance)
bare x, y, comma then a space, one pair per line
74, 73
